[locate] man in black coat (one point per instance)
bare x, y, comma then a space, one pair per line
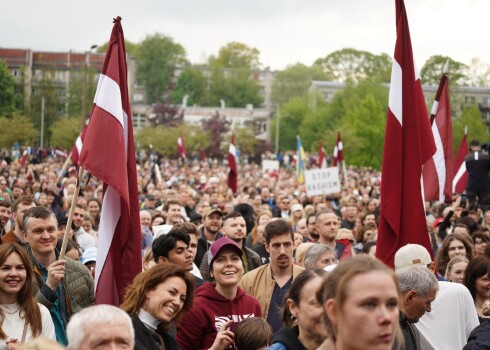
478, 167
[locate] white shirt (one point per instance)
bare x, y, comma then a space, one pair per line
451, 320
13, 325
84, 239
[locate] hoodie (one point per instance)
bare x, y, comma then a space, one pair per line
288, 337
209, 312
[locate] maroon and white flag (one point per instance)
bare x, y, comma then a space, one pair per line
460, 179
77, 148
232, 165
408, 144
438, 171
181, 147
108, 154
338, 151
322, 159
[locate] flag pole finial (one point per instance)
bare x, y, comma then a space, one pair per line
446, 67
117, 19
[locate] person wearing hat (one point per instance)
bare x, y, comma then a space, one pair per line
453, 315
16, 235
234, 228
478, 167
219, 306
210, 232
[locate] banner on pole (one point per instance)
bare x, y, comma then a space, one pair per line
270, 165
322, 181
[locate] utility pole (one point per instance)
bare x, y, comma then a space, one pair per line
278, 112
86, 67
42, 123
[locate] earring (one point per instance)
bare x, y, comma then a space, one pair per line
293, 318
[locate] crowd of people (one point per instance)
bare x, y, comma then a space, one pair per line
267, 268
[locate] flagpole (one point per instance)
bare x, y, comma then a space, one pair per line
344, 169
63, 168
70, 215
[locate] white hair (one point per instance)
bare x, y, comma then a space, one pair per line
417, 278
95, 315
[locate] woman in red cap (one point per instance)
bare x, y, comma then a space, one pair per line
218, 306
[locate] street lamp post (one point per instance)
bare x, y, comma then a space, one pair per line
85, 83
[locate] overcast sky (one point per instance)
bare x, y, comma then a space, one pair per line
285, 31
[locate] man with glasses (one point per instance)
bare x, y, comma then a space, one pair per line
281, 210
279, 273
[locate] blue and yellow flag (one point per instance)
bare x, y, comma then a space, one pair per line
300, 162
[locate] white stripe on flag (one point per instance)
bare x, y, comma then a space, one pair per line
459, 175
232, 150
108, 97
109, 217
395, 101
435, 106
79, 144
439, 161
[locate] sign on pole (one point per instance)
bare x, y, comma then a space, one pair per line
270, 165
322, 181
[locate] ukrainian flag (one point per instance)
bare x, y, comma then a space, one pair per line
301, 161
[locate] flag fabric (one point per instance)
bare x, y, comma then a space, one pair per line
300, 162
322, 160
408, 144
77, 148
58, 152
24, 157
338, 151
108, 154
232, 165
460, 173
438, 171
181, 147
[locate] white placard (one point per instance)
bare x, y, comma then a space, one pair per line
269, 165
322, 181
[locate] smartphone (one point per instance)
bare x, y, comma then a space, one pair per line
464, 201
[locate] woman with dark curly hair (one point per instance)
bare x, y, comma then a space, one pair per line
453, 245
475, 279
157, 297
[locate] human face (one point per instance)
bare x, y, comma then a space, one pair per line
418, 305
173, 214
87, 225
12, 278
369, 235
309, 312
312, 224
227, 268
302, 228
264, 219
457, 272
456, 248
145, 219
480, 246
77, 217
193, 245
461, 231
113, 336
43, 200
284, 204
167, 299
235, 229
212, 223
93, 208
41, 234
370, 219
180, 255
328, 226
370, 311
298, 239
280, 249
19, 214
157, 221
372, 205
351, 212
4, 215
324, 260
482, 287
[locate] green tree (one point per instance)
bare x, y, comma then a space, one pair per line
158, 55
64, 132
478, 73
364, 126
432, 70
17, 129
245, 141
164, 140
291, 117
192, 83
7, 91
295, 80
472, 119
131, 48
75, 92
354, 65
314, 124
236, 55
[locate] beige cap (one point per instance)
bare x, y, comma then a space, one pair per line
412, 255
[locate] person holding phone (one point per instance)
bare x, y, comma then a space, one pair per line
219, 306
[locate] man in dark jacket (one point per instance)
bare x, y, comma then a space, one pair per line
478, 167
210, 232
418, 287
